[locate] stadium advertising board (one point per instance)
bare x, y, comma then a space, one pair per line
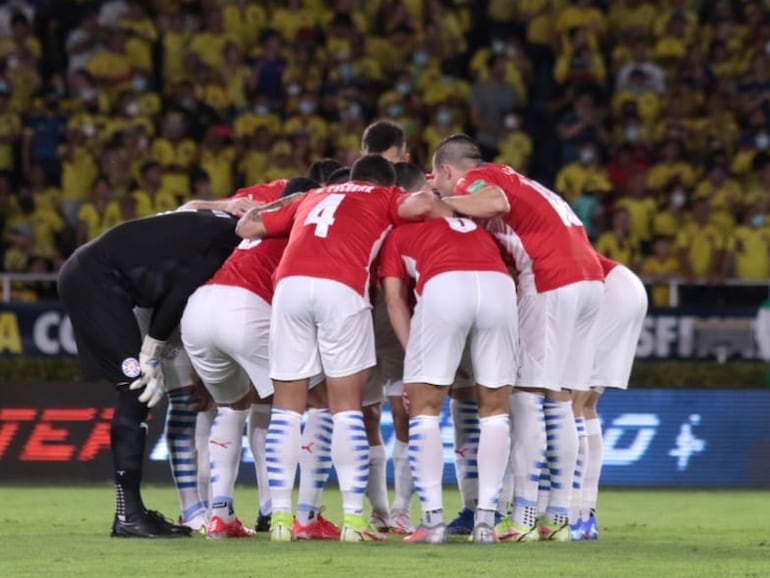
660, 437
42, 329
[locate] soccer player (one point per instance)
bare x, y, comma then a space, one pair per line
154, 262
387, 139
618, 328
463, 290
185, 398
321, 321
229, 352
560, 292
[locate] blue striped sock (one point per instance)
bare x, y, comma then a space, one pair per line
281, 455
562, 449
182, 457
465, 415
426, 457
315, 462
350, 455
576, 499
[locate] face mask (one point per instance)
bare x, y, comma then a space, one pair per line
306, 107
13, 62
586, 156
444, 117
87, 93
678, 199
633, 133
261, 109
446, 79
294, 89
395, 110
132, 109
88, 130
498, 47
511, 52
352, 112
403, 88
421, 58
511, 122
139, 83
345, 70
187, 103
762, 141
758, 221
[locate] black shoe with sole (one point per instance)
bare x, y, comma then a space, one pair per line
263, 523
147, 525
162, 521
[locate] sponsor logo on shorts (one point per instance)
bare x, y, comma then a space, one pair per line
131, 367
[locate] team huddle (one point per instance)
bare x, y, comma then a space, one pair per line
324, 293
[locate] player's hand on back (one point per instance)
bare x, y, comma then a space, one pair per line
240, 207
151, 379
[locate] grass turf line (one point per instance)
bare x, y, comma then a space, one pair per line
63, 531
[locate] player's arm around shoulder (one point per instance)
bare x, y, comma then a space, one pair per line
252, 225
395, 294
422, 205
237, 206
485, 203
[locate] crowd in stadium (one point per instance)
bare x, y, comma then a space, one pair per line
650, 117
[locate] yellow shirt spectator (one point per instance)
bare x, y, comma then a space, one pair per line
594, 67
219, 166
79, 171
515, 150
174, 46
724, 199
621, 16
660, 269
577, 178
625, 251
148, 204
699, 247
315, 125
539, 17
253, 166
245, 22
10, 130
576, 16
96, 221
208, 46
751, 247
46, 224
290, 22
176, 158
647, 103
640, 215
109, 66
668, 223
248, 122
663, 173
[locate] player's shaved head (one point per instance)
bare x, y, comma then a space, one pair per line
298, 185
373, 169
409, 177
458, 150
322, 169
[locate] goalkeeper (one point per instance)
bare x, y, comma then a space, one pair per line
156, 262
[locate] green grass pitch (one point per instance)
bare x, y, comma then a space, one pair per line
63, 531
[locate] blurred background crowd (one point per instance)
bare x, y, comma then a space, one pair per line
651, 117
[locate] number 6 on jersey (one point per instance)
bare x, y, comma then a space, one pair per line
322, 215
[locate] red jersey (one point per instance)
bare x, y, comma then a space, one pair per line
607, 264
264, 192
251, 266
335, 232
545, 238
421, 251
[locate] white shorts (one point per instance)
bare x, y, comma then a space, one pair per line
558, 336
178, 372
225, 332
319, 325
618, 328
454, 306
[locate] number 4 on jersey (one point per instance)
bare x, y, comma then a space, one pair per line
322, 215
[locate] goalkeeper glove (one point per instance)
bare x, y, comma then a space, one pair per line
152, 372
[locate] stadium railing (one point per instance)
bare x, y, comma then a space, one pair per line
7, 280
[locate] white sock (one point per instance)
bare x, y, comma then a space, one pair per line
562, 450
315, 463
259, 421
402, 476
465, 416
576, 498
281, 455
494, 447
377, 486
182, 457
505, 502
426, 455
225, 452
350, 456
593, 466
203, 422
527, 449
